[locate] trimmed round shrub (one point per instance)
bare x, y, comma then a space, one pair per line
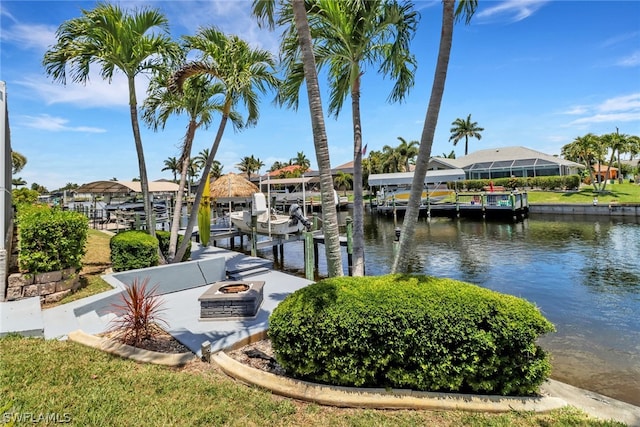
133, 249
414, 332
163, 240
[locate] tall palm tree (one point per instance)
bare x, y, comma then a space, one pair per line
407, 151
302, 161
351, 35
199, 102
466, 129
132, 42
295, 18
18, 162
450, 13
242, 71
172, 164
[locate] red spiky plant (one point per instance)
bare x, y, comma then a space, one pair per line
138, 313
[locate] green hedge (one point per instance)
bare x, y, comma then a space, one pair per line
564, 182
412, 332
163, 240
133, 249
50, 239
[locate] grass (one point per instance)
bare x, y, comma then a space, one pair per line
95, 261
614, 193
93, 388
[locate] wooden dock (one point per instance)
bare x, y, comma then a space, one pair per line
502, 205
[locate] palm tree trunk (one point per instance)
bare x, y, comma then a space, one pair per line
401, 262
329, 210
193, 218
175, 222
466, 145
144, 181
358, 202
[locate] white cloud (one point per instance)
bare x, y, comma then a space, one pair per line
54, 124
606, 118
511, 10
630, 61
577, 110
621, 103
620, 38
29, 36
96, 93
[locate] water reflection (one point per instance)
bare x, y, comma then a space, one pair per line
583, 274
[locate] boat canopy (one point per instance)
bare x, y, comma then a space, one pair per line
406, 178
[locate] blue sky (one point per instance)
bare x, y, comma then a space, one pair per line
532, 73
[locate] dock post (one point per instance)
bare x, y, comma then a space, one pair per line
254, 235
308, 255
274, 249
395, 215
483, 197
350, 245
457, 205
314, 223
315, 256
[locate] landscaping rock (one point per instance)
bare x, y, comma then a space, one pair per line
52, 276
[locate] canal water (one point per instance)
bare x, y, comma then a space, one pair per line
583, 274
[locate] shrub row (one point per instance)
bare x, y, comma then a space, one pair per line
564, 182
413, 332
137, 249
50, 239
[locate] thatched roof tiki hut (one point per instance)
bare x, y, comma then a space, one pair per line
232, 188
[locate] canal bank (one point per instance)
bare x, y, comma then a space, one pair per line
605, 209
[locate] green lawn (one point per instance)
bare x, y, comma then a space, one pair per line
89, 387
614, 193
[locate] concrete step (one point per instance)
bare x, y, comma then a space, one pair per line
23, 317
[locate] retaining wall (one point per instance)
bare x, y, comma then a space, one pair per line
614, 209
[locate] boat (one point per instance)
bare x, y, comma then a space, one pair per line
268, 221
395, 188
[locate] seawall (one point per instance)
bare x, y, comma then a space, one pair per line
613, 209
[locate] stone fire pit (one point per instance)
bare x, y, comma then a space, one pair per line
230, 300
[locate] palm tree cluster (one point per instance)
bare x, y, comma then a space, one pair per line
392, 159
344, 38
591, 150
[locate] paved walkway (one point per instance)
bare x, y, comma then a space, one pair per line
94, 313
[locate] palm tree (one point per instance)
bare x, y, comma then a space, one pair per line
199, 102
242, 71
407, 151
276, 165
391, 159
18, 162
343, 180
216, 170
172, 164
583, 150
18, 182
297, 23
451, 155
349, 36
465, 129
201, 158
302, 161
249, 165
109, 36
466, 8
